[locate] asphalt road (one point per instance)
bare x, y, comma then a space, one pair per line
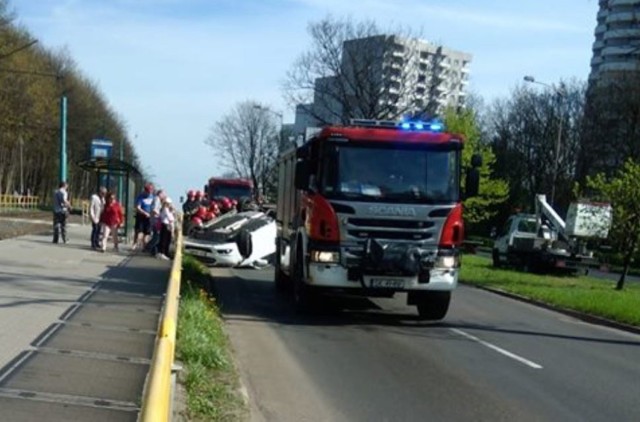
491, 359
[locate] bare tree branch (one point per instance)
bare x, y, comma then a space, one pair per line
247, 141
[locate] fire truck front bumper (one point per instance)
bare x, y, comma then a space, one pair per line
339, 277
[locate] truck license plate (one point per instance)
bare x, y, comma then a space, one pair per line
387, 283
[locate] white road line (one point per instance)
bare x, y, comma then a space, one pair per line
498, 349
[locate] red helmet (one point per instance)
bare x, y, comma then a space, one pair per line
226, 204
190, 194
202, 211
196, 221
213, 207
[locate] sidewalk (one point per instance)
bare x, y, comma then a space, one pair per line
77, 329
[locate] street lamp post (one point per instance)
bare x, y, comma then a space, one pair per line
561, 95
20, 140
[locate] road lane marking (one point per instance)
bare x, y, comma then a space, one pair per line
498, 349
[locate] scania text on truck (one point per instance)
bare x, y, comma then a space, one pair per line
373, 208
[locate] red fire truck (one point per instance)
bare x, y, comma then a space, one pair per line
237, 189
372, 209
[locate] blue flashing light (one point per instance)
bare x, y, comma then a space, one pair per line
431, 125
436, 126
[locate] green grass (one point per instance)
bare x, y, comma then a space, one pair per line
585, 294
210, 377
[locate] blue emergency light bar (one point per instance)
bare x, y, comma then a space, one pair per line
434, 125
431, 126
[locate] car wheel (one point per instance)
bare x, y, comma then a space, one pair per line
496, 258
245, 246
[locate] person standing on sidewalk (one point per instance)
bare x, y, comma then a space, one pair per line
95, 211
168, 218
61, 207
156, 224
110, 220
144, 207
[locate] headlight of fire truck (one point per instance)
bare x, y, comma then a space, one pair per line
325, 257
447, 261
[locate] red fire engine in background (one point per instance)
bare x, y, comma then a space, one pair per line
234, 189
373, 209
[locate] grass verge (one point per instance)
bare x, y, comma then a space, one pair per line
210, 378
585, 294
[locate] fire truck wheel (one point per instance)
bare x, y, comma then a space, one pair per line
281, 280
303, 296
433, 306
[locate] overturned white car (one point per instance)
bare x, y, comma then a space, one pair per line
245, 239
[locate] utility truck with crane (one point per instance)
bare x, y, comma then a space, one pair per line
373, 208
545, 242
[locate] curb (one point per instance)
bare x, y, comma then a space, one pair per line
592, 319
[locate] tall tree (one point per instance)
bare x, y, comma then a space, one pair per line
32, 80
246, 140
623, 192
493, 191
524, 133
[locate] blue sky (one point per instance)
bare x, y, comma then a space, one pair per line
171, 68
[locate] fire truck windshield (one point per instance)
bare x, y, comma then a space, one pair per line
230, 191
372, 173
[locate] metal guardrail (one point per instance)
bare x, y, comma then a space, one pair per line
156, 403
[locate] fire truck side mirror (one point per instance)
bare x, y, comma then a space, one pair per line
476, 160
472, 183
302, 175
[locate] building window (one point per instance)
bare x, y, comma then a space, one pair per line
422, 78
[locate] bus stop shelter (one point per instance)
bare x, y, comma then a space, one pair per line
120, 175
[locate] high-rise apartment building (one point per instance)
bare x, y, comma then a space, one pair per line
617, 44
386, 76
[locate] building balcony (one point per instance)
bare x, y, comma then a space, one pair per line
625, 66
441, 88
629, 33
614, 3
596, 60
616, 17
624, 51
601, 29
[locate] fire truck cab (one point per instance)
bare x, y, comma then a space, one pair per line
373, 208
236, 189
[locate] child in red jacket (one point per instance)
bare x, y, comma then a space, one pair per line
111, 219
